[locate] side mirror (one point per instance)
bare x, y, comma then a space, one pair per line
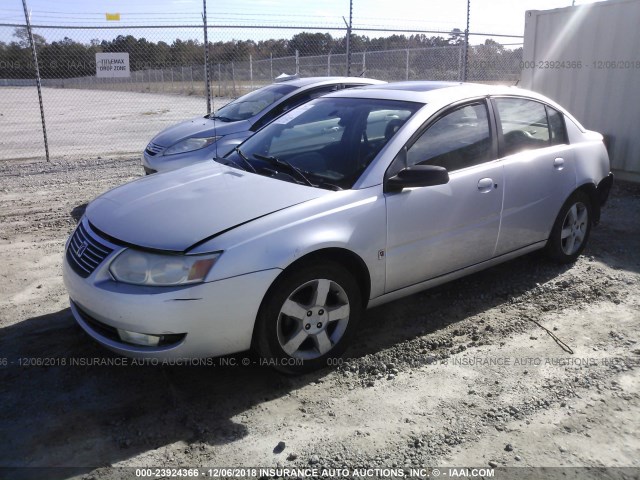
417, 176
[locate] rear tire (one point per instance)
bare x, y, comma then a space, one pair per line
571, 229
308, 317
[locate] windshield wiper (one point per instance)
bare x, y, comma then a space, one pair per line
216, 117
277, 162
245, 160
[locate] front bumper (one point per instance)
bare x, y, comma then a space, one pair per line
204, 320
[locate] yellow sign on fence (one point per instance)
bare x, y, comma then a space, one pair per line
113, 16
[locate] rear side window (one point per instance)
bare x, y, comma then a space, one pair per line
557, 128
457, 140
524, 125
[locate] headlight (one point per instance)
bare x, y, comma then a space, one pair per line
190, 144
143, 268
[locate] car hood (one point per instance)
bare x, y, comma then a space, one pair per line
175, 210
198, 127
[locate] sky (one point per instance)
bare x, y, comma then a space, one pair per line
504, 17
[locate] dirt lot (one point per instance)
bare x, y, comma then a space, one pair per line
456, 376
87, 123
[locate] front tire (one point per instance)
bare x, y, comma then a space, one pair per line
308, 317
571, 229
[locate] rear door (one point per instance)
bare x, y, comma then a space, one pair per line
539, 170
435, 230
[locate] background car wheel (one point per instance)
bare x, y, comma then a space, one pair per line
571, 229
307, 317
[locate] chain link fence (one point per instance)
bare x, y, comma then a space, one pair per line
90, 116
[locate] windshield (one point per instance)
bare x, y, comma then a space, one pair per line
327, 142
252, 103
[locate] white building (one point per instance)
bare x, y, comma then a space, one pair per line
587, 58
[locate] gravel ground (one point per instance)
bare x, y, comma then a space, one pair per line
461, 375
84, 123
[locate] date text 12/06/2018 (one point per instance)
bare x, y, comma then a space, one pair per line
579, 64
311, 472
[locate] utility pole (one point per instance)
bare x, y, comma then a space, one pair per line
207, 76
34, 54
465, 70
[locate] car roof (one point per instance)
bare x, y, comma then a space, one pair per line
437, 92
308, 81
417, 86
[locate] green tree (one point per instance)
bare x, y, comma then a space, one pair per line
22, 35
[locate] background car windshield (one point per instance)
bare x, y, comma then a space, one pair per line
331, 140
253, 103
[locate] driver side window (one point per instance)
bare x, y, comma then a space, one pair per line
459, 139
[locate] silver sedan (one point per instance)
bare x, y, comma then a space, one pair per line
344, 203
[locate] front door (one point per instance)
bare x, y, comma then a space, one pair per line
435, 230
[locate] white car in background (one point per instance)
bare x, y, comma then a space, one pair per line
201, 139
352, 200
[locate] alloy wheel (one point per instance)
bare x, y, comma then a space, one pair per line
313, 319
574, 228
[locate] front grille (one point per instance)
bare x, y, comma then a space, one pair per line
85, 251
153, 149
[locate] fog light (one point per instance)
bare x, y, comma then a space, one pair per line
139, 338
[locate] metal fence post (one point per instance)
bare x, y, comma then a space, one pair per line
207, 77
364, 63
349, 27
250, 72
297, 62
406, 68
271, 64
466, 45
191, 71
233, 77
329, 65
34, 54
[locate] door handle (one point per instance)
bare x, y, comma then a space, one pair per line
486, 184
558, 163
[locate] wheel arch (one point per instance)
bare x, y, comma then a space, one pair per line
592, 192
350, 260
